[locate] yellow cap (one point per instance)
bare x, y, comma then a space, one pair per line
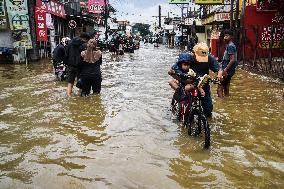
201, 52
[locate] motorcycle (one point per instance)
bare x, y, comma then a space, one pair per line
60, 71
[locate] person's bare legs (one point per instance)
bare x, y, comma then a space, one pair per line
220, 90
69, 89
227, 90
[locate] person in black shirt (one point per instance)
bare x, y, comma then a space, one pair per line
89, 69
73, 54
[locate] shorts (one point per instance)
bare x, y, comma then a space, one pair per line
72, 73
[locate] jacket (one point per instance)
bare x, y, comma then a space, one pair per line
73, 51
58, 54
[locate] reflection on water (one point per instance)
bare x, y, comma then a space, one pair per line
127, 138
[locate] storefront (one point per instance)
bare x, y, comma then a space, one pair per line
214, 24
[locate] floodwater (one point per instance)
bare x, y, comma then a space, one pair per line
127, 137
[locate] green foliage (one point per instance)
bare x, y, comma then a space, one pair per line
143, 29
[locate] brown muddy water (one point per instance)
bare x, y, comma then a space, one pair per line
127, 137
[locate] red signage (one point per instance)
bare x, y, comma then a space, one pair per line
97, 6
40, 20
270, 28
53, 7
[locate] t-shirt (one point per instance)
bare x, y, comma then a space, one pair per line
230, 50
202, 68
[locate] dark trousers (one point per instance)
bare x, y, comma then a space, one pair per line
207, 103
88, 83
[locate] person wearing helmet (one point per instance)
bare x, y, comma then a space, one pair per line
58, 55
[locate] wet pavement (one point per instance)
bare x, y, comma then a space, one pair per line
127, 137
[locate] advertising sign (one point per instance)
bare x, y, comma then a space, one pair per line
179, 1
96, 6
18, 15
41, 28
268, 5
3, 20
209, 2
53, 7
188, 21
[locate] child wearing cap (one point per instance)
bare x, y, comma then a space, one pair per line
180, 70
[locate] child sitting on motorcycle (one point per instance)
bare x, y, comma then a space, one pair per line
181, 72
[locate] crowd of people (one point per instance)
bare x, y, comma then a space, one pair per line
83, 61
200, 61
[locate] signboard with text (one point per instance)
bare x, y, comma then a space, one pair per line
268, 5
3, 20
41, 28
179, 1
53, 7
96, 6
18, 15
270, 28
209, 2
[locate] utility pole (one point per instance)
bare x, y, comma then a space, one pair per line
237, 14
34, 53
232, 15
160, 19
106, 17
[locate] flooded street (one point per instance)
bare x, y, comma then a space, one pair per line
127, 137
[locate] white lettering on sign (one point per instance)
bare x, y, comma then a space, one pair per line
96, 8
41, 33
40, 18
276, 33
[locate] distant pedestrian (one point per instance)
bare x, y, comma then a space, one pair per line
228, 64
73, 54
89, 69
59, 52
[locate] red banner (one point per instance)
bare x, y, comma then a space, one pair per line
40, 20
53, 7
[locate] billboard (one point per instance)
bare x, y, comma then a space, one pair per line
269, 5
52, 7
97, 6
18, 15
179, 1
3, 20
209, 2
40, 20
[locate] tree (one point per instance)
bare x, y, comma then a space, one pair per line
143, 29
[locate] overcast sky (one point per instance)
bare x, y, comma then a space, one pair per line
143, 10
